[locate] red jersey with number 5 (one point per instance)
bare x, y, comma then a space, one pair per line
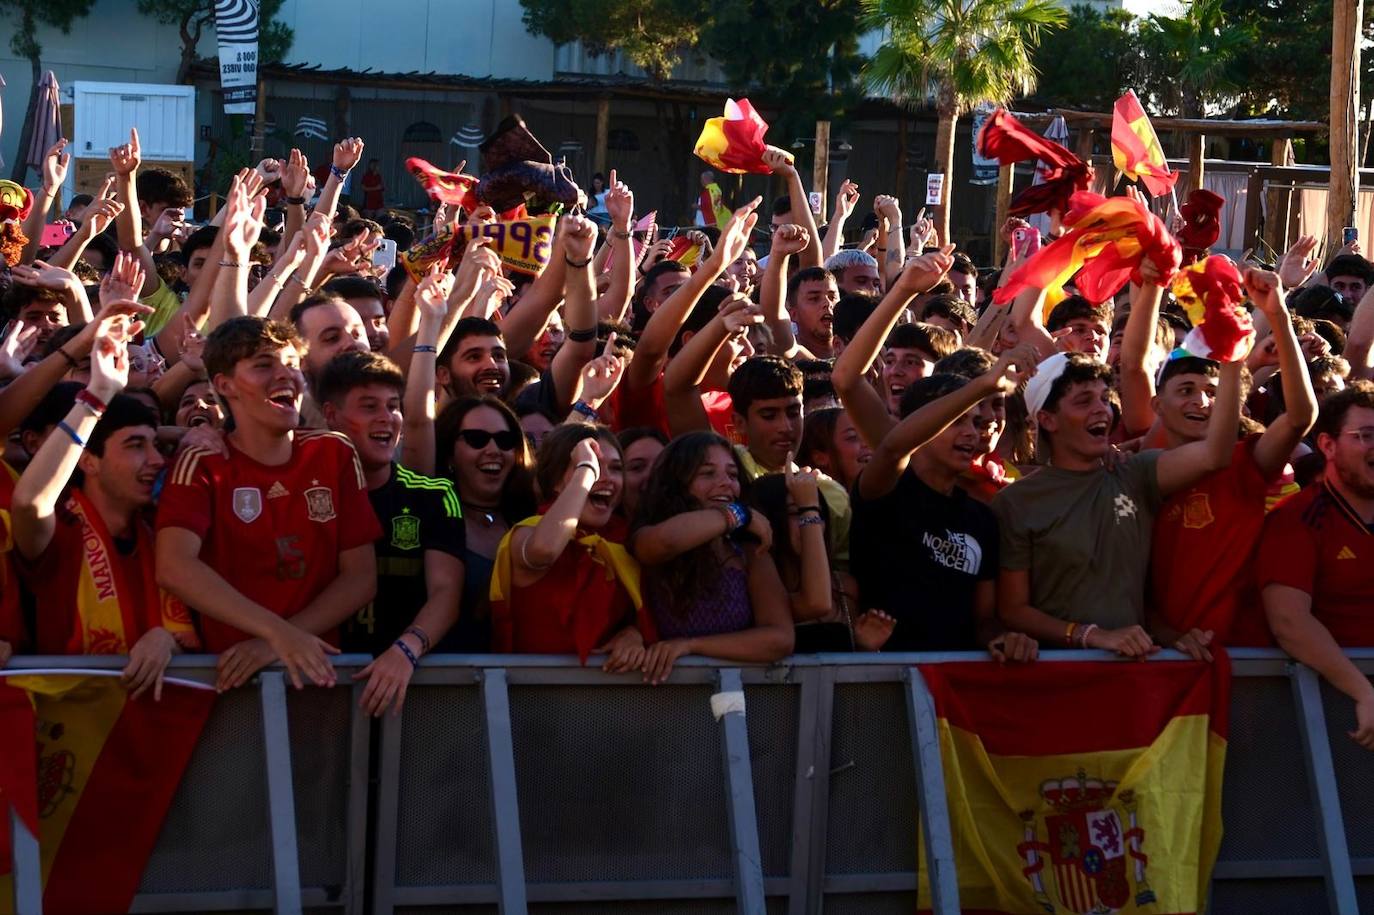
274, 533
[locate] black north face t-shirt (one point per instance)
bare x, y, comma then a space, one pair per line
417, 513
918, 555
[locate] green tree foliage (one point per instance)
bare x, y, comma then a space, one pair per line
1090, 62
1196, 59
192, 16
25, 16
799, 57
961, 52
651, 33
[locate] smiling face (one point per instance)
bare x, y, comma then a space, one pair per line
901, 369
484, 454
1081, 423
265, 389
370, 415
1184, 405
850, 454
127, 470
328, 329
604, 497
198, 407
990, 419
479, 366
716, 480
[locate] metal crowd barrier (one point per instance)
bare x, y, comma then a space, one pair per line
529, 783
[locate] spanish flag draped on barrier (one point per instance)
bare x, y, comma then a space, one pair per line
98, 784
1082, 787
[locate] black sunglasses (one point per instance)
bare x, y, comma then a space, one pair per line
477, 439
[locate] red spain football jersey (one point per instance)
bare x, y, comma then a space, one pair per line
274, 533
1201, 561
1315, 542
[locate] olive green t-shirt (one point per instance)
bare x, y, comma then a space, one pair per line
1084, 536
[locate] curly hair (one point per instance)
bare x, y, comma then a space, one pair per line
676, 585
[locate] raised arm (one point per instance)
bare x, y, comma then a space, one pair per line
55, 164
783, 164
1137, 372
242, 225
39, 488
579, 345
651, 352
1359, 344
687, 370
865, 405
613, 304
1276, 445
125, 159
787, 241
1181, 467
892, 247
535, 549
816, 597
890, 459
347, 152
417, 440
295, 187
96, 218
845, 200
263, 297
526, 319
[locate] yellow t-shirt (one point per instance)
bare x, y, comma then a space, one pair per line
165, 304
836, 499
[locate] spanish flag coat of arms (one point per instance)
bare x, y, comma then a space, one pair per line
1085, 787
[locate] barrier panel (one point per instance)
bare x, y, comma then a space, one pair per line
528, 783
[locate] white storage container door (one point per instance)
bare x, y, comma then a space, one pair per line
164, 115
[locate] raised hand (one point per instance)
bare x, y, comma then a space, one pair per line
431, 293
126, 157
602, 375
16, 348
620, 203
55, 163
1013, 367
192, 345
43, 275
886, 206
586, 451
789, 240
125, 279
734, 238
110, 355
347, 152
243, 220
803, 483
171, 224
1264, 289
1298, 263
295, 174
780, 161
270, 170
925, 271
739, 313
846, 199
315, 236
579, 237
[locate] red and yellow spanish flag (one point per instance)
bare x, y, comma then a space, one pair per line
1082, 787
1135, 146
445, 187
1107, 238
1211, 291
99, 782
734, 143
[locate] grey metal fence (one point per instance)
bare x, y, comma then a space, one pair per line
518, 784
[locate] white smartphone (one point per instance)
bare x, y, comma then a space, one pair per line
385, 255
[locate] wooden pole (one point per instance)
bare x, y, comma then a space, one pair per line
603, 129
1345, 108
1276, 199
1005, 175
820, 170
1195, 142
260, 116
900, 176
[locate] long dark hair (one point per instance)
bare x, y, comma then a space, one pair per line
768, 496
517, 495
679, 582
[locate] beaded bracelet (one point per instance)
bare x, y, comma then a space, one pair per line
410, 655
419, 634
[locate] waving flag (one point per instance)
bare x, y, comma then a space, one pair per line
1114, 807
1061, 173
102, 762
734, 143
1211, 292
444, 187
1102, 249
1135, 147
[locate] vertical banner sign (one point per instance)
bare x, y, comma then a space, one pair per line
236, 25
984, 169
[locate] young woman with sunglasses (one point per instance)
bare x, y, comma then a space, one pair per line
480, 446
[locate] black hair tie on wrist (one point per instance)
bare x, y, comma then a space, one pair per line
582, 336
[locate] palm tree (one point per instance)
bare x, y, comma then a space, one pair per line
1199, 55
962, 52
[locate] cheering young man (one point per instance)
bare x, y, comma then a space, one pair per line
272, 544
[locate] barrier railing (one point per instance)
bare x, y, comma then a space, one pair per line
518, 782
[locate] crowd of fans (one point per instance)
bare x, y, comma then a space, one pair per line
245, 438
